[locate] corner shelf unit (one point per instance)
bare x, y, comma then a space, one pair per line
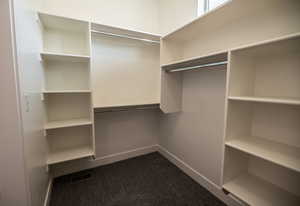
67, 95
262, 138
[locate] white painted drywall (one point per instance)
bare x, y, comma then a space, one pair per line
195, 135
175, 13
13, 189
31, 80
131, 14
123, 131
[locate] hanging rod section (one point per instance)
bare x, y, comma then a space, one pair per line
198, 66
126, 108
124, 36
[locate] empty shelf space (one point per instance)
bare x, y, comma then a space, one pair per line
64, 57
67, 123
65, 91
267, 73
255, 191
281, 154
64, 35
69, 154
275, 100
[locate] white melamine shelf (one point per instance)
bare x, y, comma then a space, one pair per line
68, 123
220, 15
273, 41
255, 191
61, 22
194, 61
64, 57
105, 29
65, 91
281, 154
69, 154
275, 100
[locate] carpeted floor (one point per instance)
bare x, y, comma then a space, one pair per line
149, 180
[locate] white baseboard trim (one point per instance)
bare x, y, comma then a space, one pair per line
48, 193
126, 155
206, 183
76, 166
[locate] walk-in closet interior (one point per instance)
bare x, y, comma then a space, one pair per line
155, 102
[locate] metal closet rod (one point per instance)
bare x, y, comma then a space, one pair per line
124, 36
199, 66
125, 109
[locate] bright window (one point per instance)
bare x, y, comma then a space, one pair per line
207, 5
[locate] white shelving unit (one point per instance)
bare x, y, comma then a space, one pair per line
70, 66
262, 144
67, 91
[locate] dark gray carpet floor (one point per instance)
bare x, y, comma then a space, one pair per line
149, 180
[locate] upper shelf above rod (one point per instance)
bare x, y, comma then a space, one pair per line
124, 33
124, 36
211, 60
198, 67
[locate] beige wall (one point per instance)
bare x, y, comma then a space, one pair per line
123, 131
140, 15
31, 82
13, 189
176, 13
